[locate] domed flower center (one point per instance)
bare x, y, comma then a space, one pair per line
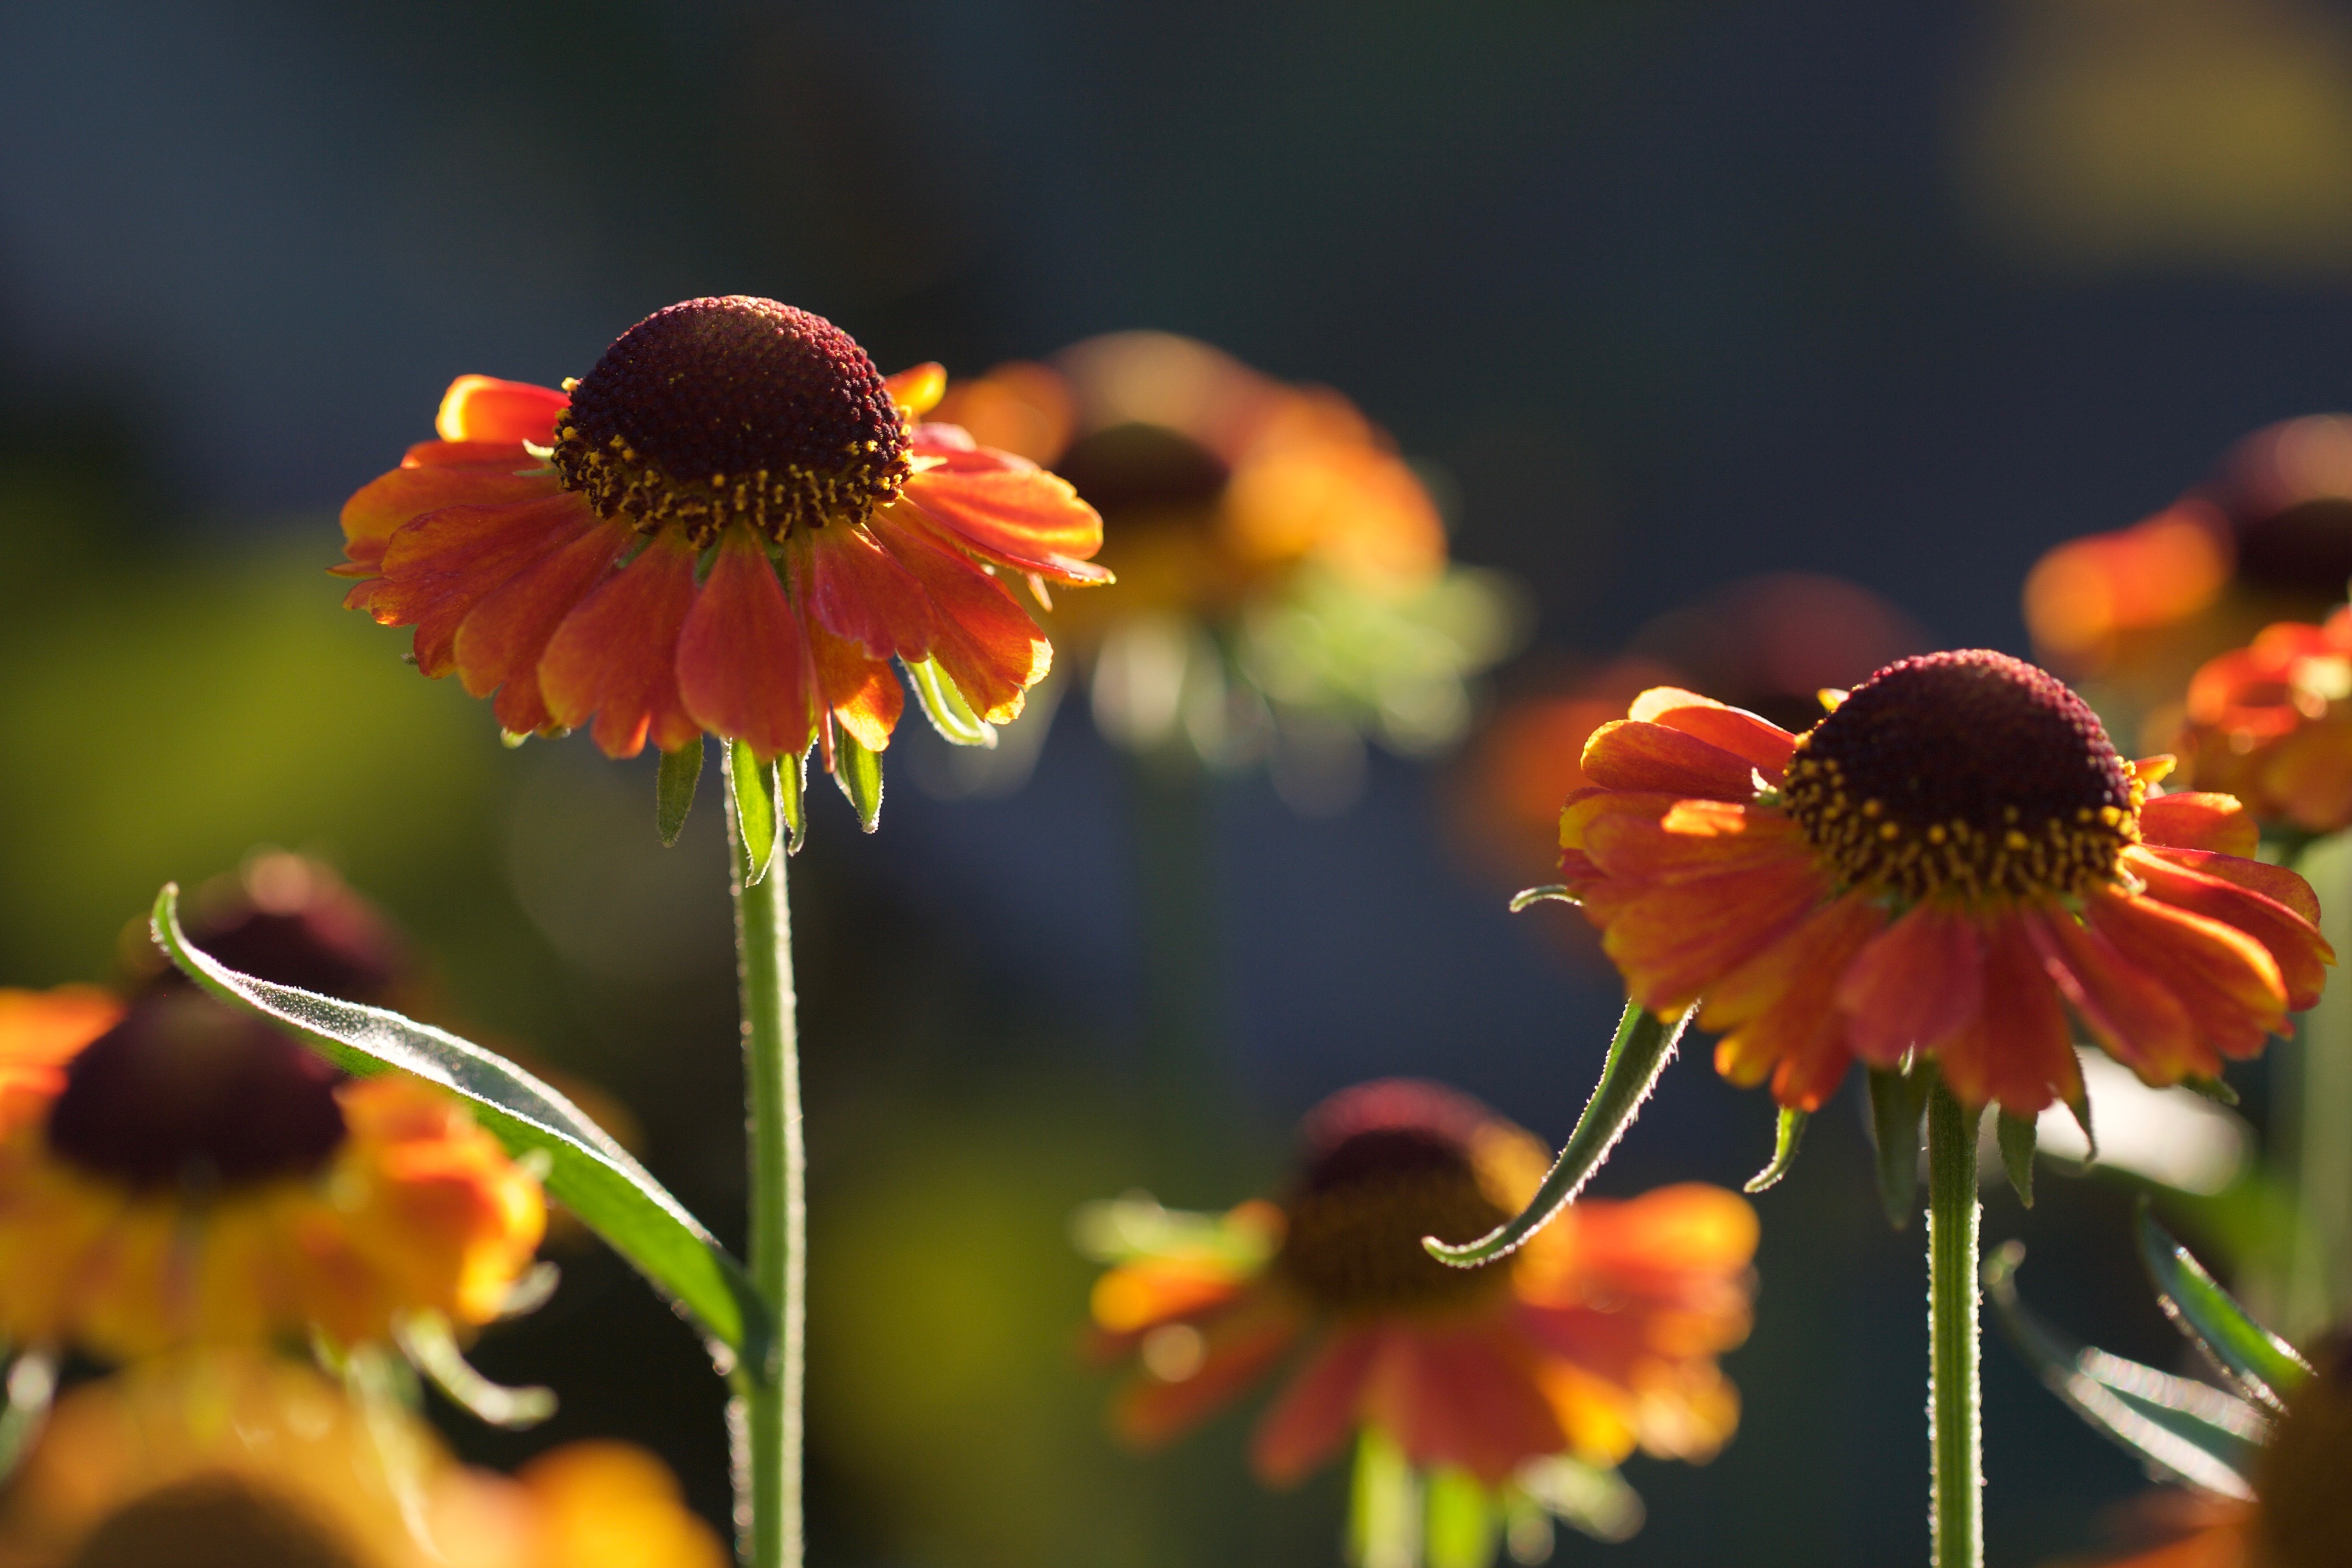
213, 1519
183, 1090
717, 411
1967, 773
1354, 1243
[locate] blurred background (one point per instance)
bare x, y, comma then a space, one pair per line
1756, 343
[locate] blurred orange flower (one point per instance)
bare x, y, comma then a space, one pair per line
1599, 1336
732, 523
237, 1457
2271, 724
1949, 862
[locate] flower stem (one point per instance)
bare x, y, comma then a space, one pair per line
1954, 1391
771, 1394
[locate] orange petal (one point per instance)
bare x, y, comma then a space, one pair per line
1239, 1346
383, 504
2017, 1050
917, 390
863, 694
2310, 776
616, 654
1778, 1010
1022, 517
506, 457
437, 568
1315, 1413
1673, 940
2127, 1009
500, 641
1633, 755
981, 637
1765, 744
2192, 881
1693, 838
2228, 981
743, 655
2197, 820
1466, 1397
1915, 985
853, 588
484, 408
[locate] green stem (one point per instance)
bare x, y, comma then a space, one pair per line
1955, 1392
771, 1394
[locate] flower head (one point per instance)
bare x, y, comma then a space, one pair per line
731, 523
1599, 1336
268, 1465
1950, 862
2272, 724
173, 1170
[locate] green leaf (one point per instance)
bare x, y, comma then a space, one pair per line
751, 786
1384, 1503
2182, 1430
1592, 1499
425, 1340
1645, 1045
791, 799
2213, 1088
943, 704
1551, 892
2016, 1136
674, 789
1463, 1521
2257, 1360
1785, 1138
858, 772
1897, 1100
586, 1171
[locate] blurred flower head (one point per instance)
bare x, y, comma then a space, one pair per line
731, 523
234, 1457
1285, 586
1949, 862
1597, 1338
2271, 724
173, 1170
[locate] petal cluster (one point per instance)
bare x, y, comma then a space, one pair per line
1598, 1338
2271, 723
641, 632
1707, 891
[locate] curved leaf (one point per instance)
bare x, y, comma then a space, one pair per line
2265, 1365
2016, 1135
1645, 1045
1897, 1100
1786, 1137
674, 789
858, 772
2183, 1429
592, 1175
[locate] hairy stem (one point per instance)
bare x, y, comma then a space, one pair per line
768, 1494
1955, 1392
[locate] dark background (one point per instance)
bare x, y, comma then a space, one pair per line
1671, 293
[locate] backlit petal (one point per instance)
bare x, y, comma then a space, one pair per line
981, 637
616, 655
1239, 1346
1023, 517
498, 645
383, 504
743, 655
919, 388
2196, 820
1750, 735
1778, 1013
852, 586
2228, 981
1315, 1412
2187, 881
437, 568
1465, 1395
1915, 985
1633, 755
2127, 1008
863, 694
2017, 1050
484, 408
1675, 939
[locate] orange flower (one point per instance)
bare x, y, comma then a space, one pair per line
732, 523
1598, 1337
264, 1461
1949, 862
2271, 723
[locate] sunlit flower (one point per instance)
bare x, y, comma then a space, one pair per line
263, 1463
2271, 723
1951, 861
1597, 1338
732, 523
1284, 571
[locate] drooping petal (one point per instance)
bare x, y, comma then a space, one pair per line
2310, 776
1673, 940
2228, 981
1777, 1012
2303, 954
506, 457
437, 568
862, 694
919, 388
2196, 820
2016, 1050
500, 641
484, 408
1466, 1396
1633, 755
743, 656
981, 637
1914, 985
2127, 1009
1238, 1346
1693, 838
1765, 744
2274, 882
1022, 517
386, 503
1315, 1411
847, 584
616, 655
